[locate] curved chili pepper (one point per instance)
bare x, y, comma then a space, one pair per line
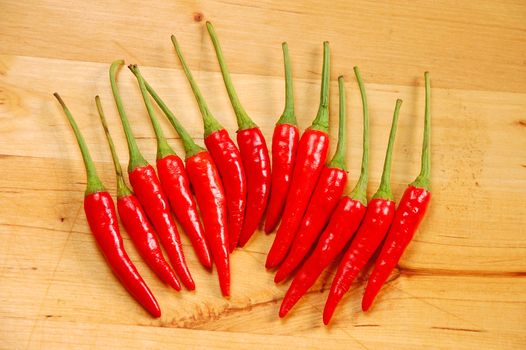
175, 183
373, 229
148, 189
134, 218
210, 195
310, 159
226, 156
103, 222
343, 223
284, 147
324, 200
254, 153
409, 214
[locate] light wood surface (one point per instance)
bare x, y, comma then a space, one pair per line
460, 285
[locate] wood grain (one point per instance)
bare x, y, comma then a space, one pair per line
462, 282
478, 45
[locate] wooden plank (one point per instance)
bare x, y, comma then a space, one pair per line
475, 45
470, 163
72, 335
461, 284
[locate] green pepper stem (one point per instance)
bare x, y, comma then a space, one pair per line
122, 189
136, 158
288, 116
384, 191
338, 160
243, 120
360, 190
93, 183
190, 147
321, 122
163, 148
423, 179
211, 124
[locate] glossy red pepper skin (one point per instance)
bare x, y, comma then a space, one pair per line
176, 185
143, 237
212, 202
284, 148
372, 231
102, 219
310, 159
254, 153
325, 197
147, 188
227, 158
342, 225
253, 150
409, 214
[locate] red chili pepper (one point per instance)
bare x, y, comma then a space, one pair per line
311, 156
342, 224
284, 147
409, 214
209, 191
325, 197
373, 229
210, 195
254, 153
176, 184
103, 222
226, 156
134, 218
148, 189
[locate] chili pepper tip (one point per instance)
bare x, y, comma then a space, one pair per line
366, 304
326, 319
279, 277
155, 312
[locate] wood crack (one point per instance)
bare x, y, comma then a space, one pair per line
206, 312
460, 329
458, 273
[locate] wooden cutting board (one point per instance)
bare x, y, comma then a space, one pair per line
461, 283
